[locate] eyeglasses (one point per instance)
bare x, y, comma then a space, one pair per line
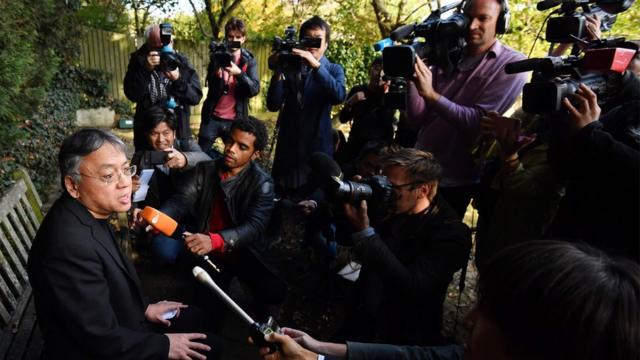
399, 187
108, 179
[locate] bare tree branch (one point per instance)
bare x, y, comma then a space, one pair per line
195, 14
413, 12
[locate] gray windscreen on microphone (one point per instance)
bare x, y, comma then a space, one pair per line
323, 165
204, 277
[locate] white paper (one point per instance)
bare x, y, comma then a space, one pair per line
141, 193
351, 271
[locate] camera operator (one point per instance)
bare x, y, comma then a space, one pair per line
601, 166
230, 86
179, 156
449, 109
304, 100
371, 120
524, 311
148, 82
409, 260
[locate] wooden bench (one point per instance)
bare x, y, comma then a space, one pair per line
20, 217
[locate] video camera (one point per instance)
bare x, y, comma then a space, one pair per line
221, 52
377, 189
442, 46
286, 60
602, 68
168, 59
571, 25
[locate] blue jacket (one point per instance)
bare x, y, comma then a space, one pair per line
305, 126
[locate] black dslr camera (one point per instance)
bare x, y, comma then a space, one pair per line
168, 59
286, 60
377, 189
221, 52
571, 24
442, 46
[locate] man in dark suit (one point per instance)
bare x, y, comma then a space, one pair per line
87, 294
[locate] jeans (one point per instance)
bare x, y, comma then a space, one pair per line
166, 249
211, 130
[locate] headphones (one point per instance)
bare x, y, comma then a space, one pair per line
502, 25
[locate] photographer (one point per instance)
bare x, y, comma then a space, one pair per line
149, 82
304, 100
408, 262
448, 109
524, 311
601, 167
169, 172
230, 86
371, 120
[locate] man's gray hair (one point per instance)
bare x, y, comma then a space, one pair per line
80, 144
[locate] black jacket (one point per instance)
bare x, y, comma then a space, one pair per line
186, 91
248, 196
247, 87
87, 294
407, 266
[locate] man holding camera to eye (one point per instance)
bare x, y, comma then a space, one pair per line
409, 259
231, 84
157, 75
448, 109
304, 99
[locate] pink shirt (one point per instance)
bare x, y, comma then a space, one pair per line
226, 106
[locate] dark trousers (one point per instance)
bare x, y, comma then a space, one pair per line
210, 130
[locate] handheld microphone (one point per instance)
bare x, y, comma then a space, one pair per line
382, 44
166, 225
257, 331
159, 220
323, 164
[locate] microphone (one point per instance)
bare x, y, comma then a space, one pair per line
159, 220
547, 4
323, 164
402, 32
523, 65
256, 330
166, 225
382, 44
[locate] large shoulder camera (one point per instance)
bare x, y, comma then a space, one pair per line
287, 61
439, 41
221, 52
571, 24
169, 61
376, 190
602, 68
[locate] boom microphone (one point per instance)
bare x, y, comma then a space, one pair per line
547, 4
402, 32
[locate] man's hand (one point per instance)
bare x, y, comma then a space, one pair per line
175, 159
173, 75
233, 69
289, 349
587, 110
423, 79
356, 98
508, 133
312, 61
153, 60
135, 183
182, 346
155, 311
357, 215
307, 207
593, 27
198, 244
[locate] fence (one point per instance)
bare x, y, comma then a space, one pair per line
109, 52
